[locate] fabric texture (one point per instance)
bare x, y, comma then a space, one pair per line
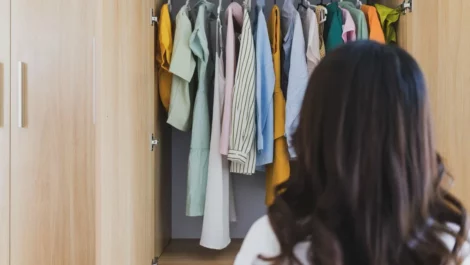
297, 83
349, 28
279, 170
312, 38
261, 240
388, 19
264, 92
234, 20
321, 30
219, 205
164, 50
288, 14
375, 29
182, 67
200, 135
333, 27
242, 149
362, 31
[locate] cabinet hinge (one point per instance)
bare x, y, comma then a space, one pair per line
155, 261
153, 18
153, 142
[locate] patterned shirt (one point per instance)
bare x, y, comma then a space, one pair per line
242, 149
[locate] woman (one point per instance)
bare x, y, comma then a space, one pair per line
366, 187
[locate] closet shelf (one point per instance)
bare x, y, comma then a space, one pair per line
188, 251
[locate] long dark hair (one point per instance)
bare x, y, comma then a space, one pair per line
365, 190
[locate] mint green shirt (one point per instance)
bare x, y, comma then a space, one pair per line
200, 135
362, 31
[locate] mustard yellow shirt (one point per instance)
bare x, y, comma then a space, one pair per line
164, 50
279, 170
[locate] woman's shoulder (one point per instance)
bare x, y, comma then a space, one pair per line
449, 241
262, 241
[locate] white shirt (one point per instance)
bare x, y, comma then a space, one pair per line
261, 240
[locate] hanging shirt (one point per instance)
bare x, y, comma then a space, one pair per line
312, 38
218, 206
200, 142
264, 91
234, 20
164, 50
242, 149
349, 28
333, 27
321, 29
288, 14
182, 67
362, 31
375, 29
388, 19
298, 77
279, 170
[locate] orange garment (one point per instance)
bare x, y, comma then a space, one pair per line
164, 49
375, 29
279, 170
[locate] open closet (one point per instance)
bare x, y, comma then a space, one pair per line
90, 171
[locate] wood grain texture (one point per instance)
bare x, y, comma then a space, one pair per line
188, 251
126, 119
4, 132
52, 158
436, 34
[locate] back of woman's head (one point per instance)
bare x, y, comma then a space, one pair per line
365, 190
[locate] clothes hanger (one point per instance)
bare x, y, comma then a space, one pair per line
358, 3
169, 5
220, 39
188, 7
303, 4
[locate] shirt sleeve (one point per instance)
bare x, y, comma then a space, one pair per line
243, 107
264, 82
298, 79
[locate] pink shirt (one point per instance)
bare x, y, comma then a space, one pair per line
234, 10
349, 28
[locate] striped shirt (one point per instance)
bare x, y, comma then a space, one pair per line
242, 148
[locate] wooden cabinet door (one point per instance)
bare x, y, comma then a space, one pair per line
128, 223
436, 34
52, 153
4, 132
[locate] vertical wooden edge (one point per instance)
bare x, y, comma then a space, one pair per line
163, 162
5, 90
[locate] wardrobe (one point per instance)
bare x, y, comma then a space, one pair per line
86, 156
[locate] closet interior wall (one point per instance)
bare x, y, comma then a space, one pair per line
249, 191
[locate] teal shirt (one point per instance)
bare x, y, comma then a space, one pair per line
362, 31
200, 135
333, 33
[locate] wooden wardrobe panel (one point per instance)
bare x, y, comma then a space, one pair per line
163, 166
4, 132
435, 34
126, 119
52, 156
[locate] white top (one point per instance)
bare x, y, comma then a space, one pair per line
261, 240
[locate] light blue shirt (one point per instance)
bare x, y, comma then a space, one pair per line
297, 75
288, 14
265, 80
